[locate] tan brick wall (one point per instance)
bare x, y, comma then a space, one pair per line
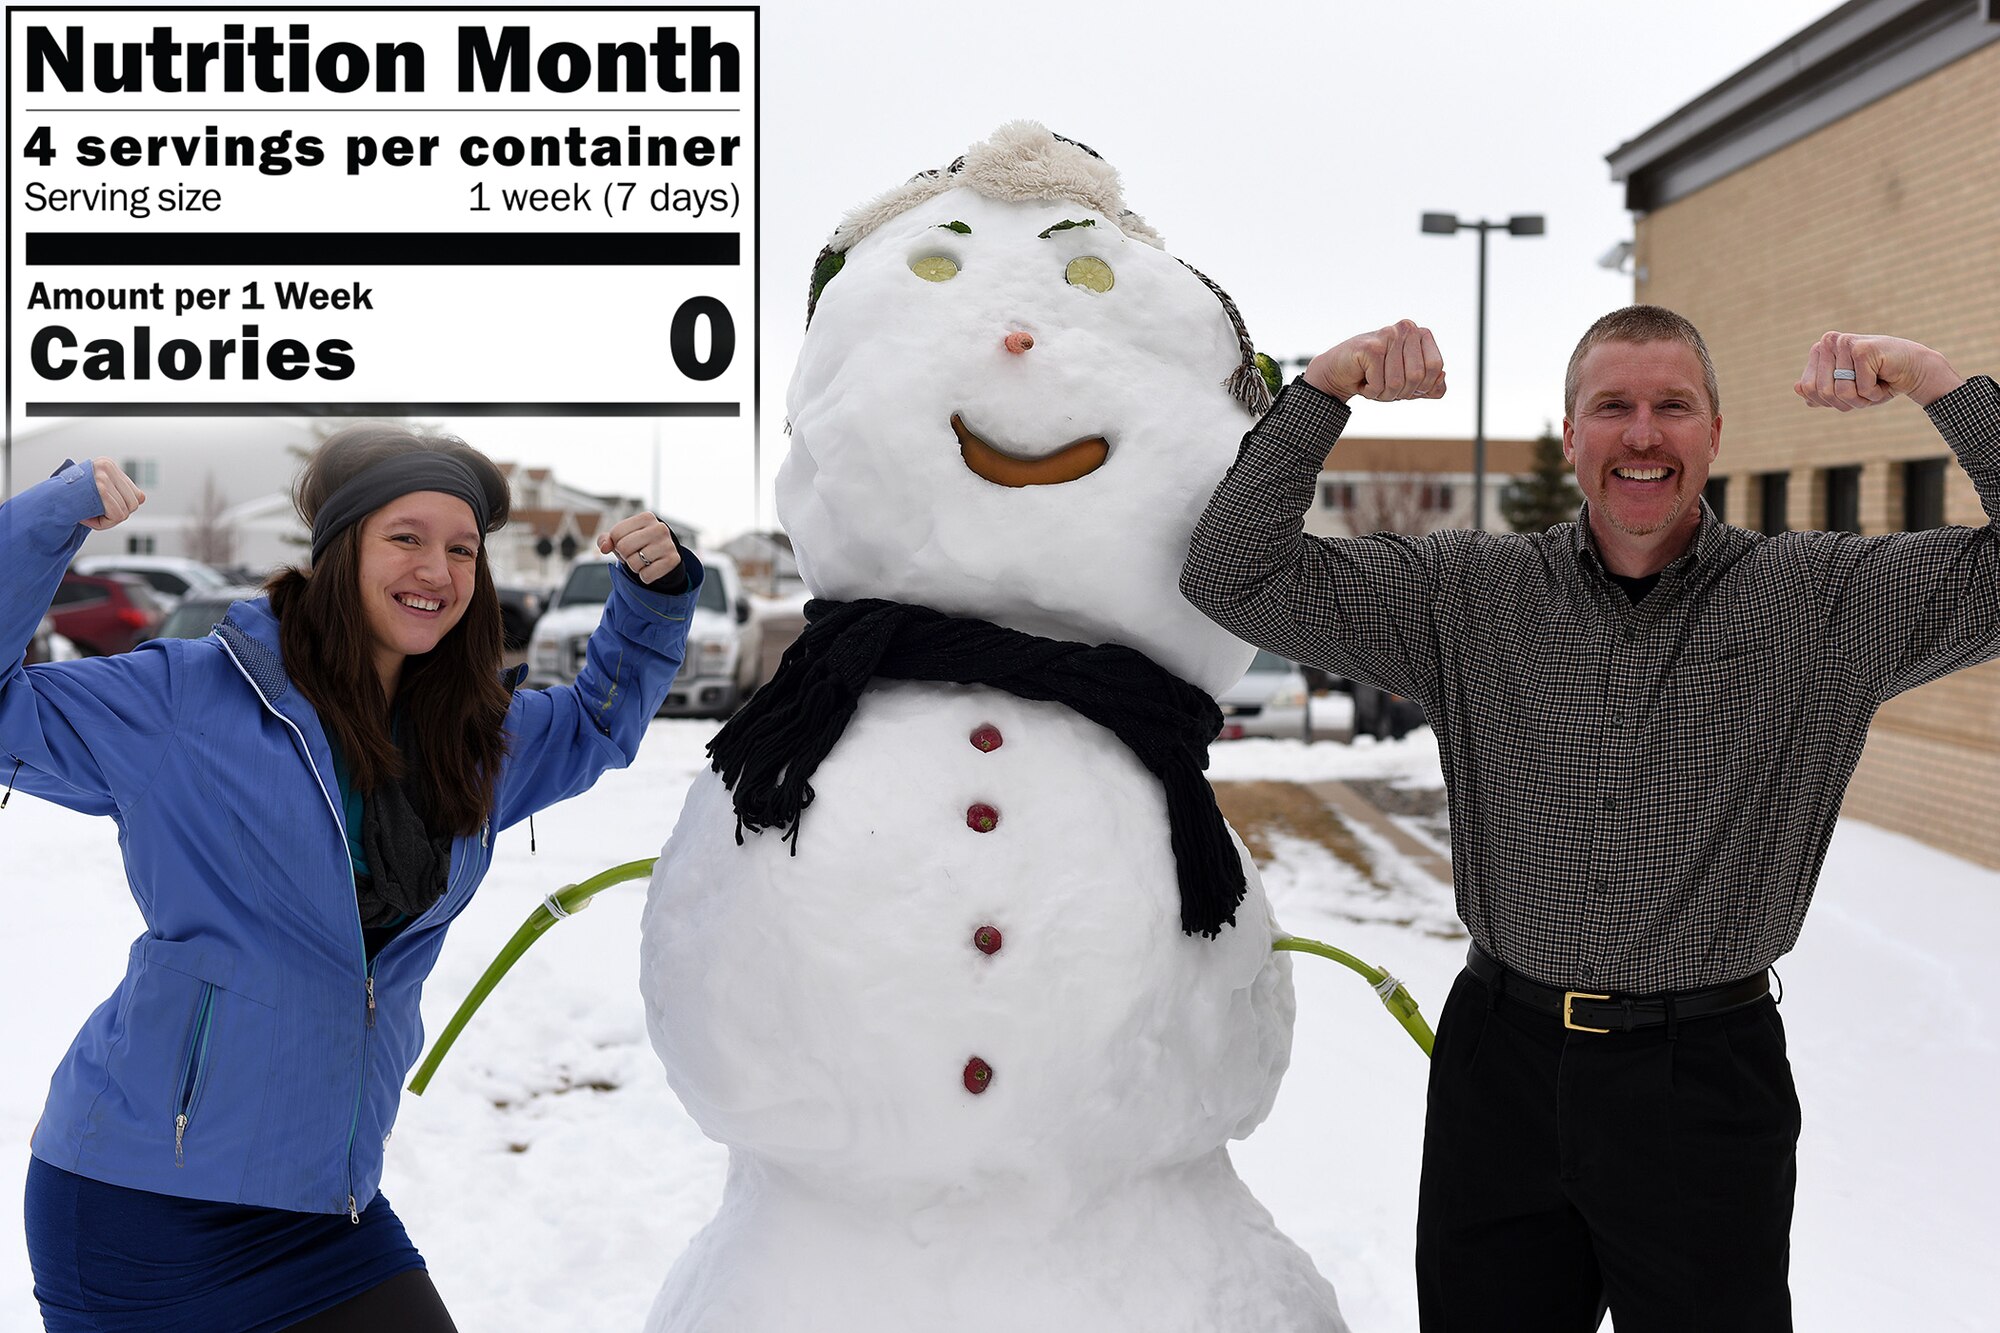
1887, 221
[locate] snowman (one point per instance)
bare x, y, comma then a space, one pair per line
953, 952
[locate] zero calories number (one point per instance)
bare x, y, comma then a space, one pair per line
721, 337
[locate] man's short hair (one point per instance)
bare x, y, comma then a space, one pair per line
1641, 324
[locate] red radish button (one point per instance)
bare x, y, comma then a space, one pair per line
986, 939
986, 737
978, 1076
982, 818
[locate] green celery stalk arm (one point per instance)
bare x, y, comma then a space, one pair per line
570, 899
1395, 996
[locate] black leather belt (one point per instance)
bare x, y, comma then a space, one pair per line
1591, 1011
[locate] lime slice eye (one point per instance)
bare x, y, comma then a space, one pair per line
1089, 271
934, 268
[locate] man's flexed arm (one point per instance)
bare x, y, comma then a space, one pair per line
1361, 606
1913, 606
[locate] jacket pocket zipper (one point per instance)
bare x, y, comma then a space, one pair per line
194, 1070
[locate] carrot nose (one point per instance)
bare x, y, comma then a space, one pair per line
1018, 341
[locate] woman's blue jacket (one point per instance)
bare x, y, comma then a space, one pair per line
251, 1054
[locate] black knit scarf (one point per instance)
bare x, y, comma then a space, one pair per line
408, 863
767, 753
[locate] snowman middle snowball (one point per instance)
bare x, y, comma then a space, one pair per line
959, 1045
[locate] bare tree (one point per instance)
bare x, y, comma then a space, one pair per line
208, 538
1393, 502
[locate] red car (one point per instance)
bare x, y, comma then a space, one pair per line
109, 613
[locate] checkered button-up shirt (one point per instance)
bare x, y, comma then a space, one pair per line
1641, 795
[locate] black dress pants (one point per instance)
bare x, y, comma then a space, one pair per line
1564, 1169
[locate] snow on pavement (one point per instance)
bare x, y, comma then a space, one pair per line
550, 1177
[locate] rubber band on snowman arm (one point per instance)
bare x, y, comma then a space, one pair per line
567, 901
1395, 996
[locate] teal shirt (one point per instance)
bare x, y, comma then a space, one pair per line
350, 809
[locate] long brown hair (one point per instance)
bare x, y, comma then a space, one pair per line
452, 703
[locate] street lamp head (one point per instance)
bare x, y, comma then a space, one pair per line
1444, 224
1528, 224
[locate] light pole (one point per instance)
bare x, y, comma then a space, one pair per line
1446, 224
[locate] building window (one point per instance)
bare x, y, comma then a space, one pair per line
1337, 495
143, 471
1775, 488
1923, 494
1843, 499
1717, 495
1436, 496
138, 544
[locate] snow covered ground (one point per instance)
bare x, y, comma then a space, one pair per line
551, 1178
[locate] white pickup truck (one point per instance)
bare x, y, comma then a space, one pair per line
724, 649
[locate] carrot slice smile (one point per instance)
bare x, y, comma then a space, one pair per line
1003, 469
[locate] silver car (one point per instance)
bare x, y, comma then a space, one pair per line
1270, 700
724, 648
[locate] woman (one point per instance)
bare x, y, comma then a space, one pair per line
306, 799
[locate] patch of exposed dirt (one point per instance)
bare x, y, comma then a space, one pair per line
1257, 809
565, 1084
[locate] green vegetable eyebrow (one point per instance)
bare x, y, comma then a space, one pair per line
1065, 226
958, 227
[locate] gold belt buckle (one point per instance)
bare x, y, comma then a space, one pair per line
1571, 997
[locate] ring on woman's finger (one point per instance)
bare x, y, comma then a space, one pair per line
643, 559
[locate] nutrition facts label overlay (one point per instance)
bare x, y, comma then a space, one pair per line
384, 212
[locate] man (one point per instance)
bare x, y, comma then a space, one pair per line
1646, 720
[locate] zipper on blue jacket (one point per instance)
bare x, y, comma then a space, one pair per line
360, 940
194, 1070
368, 991
361, 1084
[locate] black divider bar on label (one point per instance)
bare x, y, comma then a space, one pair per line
180, 409
460, 249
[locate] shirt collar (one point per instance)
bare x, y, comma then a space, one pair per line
1707, 537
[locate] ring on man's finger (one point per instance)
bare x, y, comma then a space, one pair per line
1843, 374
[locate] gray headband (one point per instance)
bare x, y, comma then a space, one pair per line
391, 479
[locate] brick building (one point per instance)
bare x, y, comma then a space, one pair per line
1847, 179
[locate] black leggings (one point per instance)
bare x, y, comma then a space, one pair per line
406, 1303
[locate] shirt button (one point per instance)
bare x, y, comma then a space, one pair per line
1600, 886
982, 818
1609, 803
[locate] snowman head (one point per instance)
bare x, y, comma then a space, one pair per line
1013, 404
